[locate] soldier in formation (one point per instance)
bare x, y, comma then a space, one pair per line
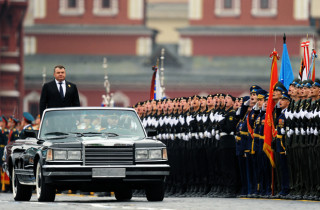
216, 143
12, 129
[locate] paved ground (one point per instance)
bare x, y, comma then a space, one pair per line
80, 202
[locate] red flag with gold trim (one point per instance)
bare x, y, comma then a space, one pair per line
269, 130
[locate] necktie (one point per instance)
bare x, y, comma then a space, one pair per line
61, 90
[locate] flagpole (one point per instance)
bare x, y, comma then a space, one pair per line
162, 73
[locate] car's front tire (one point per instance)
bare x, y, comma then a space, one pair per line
45, 192
20, 192
123, 194
155, 192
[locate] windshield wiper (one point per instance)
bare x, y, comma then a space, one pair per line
56, 133
111, 134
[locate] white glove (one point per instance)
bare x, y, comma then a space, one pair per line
256, 107
179, 135
297, 131
263, 108
315, 132
209, 135
238, 111
217, 136
171, 136
197, 136
201, 135
308, 131
290, 132
247, 103
213, 132
303, 132
205, 134
189, 135
311, 130
283, 131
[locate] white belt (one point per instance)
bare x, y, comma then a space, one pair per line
224, 133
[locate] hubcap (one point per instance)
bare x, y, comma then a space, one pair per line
38, 181
14, 183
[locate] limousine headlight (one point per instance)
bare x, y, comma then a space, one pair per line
53, 154
74, 155
59, 154
151, 154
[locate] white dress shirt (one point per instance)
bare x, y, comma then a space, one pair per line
63, 86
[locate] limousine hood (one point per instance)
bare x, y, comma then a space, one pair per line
101, 141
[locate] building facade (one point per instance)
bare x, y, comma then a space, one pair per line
245, 28
12, 13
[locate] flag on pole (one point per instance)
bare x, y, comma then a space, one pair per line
286, 75
269, 130
305, 71
302, 69
312, 70
153, 81
157, 87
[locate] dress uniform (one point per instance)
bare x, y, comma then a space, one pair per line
27, 123
263, 161
262, 167
280, 147
4, 135
13, 132
227, 127
240, 136
248, 125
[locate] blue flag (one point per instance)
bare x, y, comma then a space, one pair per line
286, 75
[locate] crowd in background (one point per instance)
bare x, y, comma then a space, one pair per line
216, 142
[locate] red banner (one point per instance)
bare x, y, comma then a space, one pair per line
269, 130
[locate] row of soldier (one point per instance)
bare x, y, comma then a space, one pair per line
12, 129
215, 143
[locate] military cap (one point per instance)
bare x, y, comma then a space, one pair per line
183, 98
28, 117
4, 119
203, 97
261, 93
11, 119
254, 88
222, 94
196, 96
307, 83
295, 82
280, 87
233, 98
285, 96
210, 95
266, 97
16, 121
316, 82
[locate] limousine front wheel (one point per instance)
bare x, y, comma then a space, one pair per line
45, 192
20, 192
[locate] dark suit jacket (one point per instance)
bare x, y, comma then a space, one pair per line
50, 96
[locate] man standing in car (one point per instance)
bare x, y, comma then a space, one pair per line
58, 92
